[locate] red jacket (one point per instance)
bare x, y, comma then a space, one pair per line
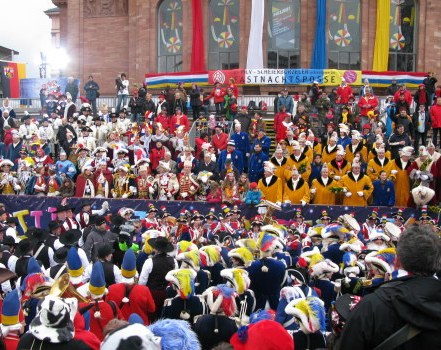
344, 92
217, 94
164, 120
219, 142
140, 300
86, 337
367, 104
435, 114
177, 121
106, 314
278, 119
407, 96
155, 156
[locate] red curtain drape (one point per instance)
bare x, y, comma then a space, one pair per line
197, 52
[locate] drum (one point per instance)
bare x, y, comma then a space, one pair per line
350, 223
392, 230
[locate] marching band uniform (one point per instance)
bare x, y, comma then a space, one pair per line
167, 183
188, 186
123, 184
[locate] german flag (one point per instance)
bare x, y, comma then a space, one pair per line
10, 75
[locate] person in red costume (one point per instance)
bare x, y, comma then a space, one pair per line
217, 94
132, 297
179, 119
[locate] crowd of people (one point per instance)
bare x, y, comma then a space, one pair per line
328, 148
94, 280
220, 280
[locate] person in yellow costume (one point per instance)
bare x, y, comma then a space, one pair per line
400, 175
304, 147
339, 166
321, 188
330, 150
300, 161
379, 143
355, 147
280, 163
378, 163
357, 187
270, 185
296, 190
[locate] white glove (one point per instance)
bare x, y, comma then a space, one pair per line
151, 190
303, 203
247, 155
105, 206
288, 201
278, 203
114, 195
393, 172
38, 188
348, 194
418, 172
336, 177
345, 190
360, 193
4, 182
57, 193
17, 187
125, 195
169, 195
184, 194
424, 177
43, 187
313, 190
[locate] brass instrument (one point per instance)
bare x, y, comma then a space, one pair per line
63, 289
268, 213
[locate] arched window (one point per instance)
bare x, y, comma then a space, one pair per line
283, 44
402, 44
223, 42
170, 36
344, 34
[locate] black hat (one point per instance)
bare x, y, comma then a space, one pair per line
6, 275
62, 208
53, 225
9, 241
2, 211
116, 220
104, 250
99, 220
345, 303
299, 273
25, 246
70, 237
11, 220
60, 255
113, 115
85, 204
38, 234
161, 244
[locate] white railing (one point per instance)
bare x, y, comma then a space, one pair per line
22, 104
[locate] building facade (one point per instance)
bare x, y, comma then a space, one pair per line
108, 37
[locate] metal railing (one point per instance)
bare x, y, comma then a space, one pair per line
35, 104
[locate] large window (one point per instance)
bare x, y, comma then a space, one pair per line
223, 48
402, 46
344, 34
170, 36
283, 44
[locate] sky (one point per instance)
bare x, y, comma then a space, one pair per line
26, 29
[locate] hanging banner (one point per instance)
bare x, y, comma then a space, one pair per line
10, 75
32, 211
223, 76
264, 76
303, 76
333, 77
326, 77
30, 88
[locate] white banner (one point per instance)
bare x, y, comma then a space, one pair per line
264, 76
255, 49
